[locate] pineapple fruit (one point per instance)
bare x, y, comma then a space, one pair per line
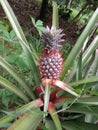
51, 61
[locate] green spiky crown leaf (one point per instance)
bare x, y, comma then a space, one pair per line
51, 38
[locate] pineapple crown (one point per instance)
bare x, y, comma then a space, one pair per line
51, 38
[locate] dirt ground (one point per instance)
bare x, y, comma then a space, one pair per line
23, 9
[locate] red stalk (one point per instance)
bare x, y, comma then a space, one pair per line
53, 94
38, 90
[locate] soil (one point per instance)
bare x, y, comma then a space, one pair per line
23, 9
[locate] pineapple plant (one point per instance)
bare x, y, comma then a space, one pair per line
51, 60
58, 105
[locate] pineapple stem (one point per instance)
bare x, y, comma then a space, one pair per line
46, 98
55, 17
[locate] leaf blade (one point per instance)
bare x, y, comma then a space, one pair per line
13, 88
16, 76
68, 62
25, 122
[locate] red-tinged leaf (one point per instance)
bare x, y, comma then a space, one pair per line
21, 110
28, 121
54, 116
40, 102
60, 84
65, 87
